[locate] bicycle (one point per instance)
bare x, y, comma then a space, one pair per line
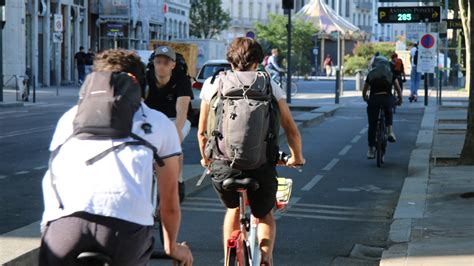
243, 247
88, 258
380, 137
282, 83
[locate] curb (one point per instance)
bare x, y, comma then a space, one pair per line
23, 243
11, 104
411, 203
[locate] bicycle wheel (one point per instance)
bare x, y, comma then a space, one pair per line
380, 139
232, 259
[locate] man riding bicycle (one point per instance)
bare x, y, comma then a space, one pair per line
245, 54
99, 189
380, 81
272, 66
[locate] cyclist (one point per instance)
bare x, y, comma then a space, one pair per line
170, 93
398, 70
245, 54
272, 65
380, 81
106, 206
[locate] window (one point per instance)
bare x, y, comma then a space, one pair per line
363, 20
354, 18
251, 11
240, 10
259, 10
358, 20
347, 8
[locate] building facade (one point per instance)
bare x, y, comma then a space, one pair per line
245, 13
176, 20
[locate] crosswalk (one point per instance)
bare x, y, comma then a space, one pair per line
299, 210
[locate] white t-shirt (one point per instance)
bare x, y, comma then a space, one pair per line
412, 55
208, 90
118, 185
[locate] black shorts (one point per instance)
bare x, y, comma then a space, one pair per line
261, 200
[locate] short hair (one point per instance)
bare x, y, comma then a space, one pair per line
81, 48
243, 52
120, 60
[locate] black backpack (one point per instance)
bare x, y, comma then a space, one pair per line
107, 104
415, 58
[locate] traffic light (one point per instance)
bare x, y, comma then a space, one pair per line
288, 4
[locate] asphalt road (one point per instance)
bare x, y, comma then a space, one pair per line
341, 199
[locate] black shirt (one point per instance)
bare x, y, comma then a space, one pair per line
164, 99
80, 58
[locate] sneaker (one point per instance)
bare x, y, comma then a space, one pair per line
391, 134
371, 153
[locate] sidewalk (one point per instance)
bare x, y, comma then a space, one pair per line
434, 219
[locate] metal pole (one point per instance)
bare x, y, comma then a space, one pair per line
2, 23
445, 76
288, 63
338, 67
426, 88
338, 72
34, 89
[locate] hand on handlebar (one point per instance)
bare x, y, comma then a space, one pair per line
182, 253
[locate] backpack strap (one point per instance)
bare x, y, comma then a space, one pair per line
51, 173
138, 141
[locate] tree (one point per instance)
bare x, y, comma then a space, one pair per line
207, 19
466, 8
274, 35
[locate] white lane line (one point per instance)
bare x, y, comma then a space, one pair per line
345, 150
26, 132
21, 172
3, 176
278, 214
202, 198
312, 183
364, 213
41, 167
217, 204
328, 206
202, 209
324, 217
364, 130
356, 139
331, 164
13, 112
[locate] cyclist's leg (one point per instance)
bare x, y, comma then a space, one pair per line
372, 114
389, 102
262, 202
230, 199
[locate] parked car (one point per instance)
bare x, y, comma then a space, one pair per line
209, 69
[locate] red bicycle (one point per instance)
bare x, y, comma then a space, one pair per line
243, 247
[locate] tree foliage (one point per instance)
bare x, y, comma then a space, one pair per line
207, 19
274, 35
363, 52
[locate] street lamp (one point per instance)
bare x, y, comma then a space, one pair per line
2, 24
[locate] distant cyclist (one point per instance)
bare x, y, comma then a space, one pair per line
272, 65
398, 70
379, 82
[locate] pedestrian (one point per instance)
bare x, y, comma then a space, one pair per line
328, 65
171, 94
246, 137
99, 191
89, 61
414, 75
80, 58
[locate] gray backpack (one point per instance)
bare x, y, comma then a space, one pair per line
243, 120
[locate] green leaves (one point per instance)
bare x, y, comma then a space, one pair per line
207, 19
274, 35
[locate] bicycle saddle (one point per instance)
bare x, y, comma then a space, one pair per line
94, 258
240, 184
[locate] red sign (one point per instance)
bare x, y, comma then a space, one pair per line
428, 41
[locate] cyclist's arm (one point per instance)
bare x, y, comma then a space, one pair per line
292, 133
201, 135
170, 211
182, 105
365, 90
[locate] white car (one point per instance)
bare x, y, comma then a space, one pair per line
210, 68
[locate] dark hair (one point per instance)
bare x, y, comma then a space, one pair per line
120, 60
243, 52
81, 48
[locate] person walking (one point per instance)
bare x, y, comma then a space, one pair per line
80, 58
328, 65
